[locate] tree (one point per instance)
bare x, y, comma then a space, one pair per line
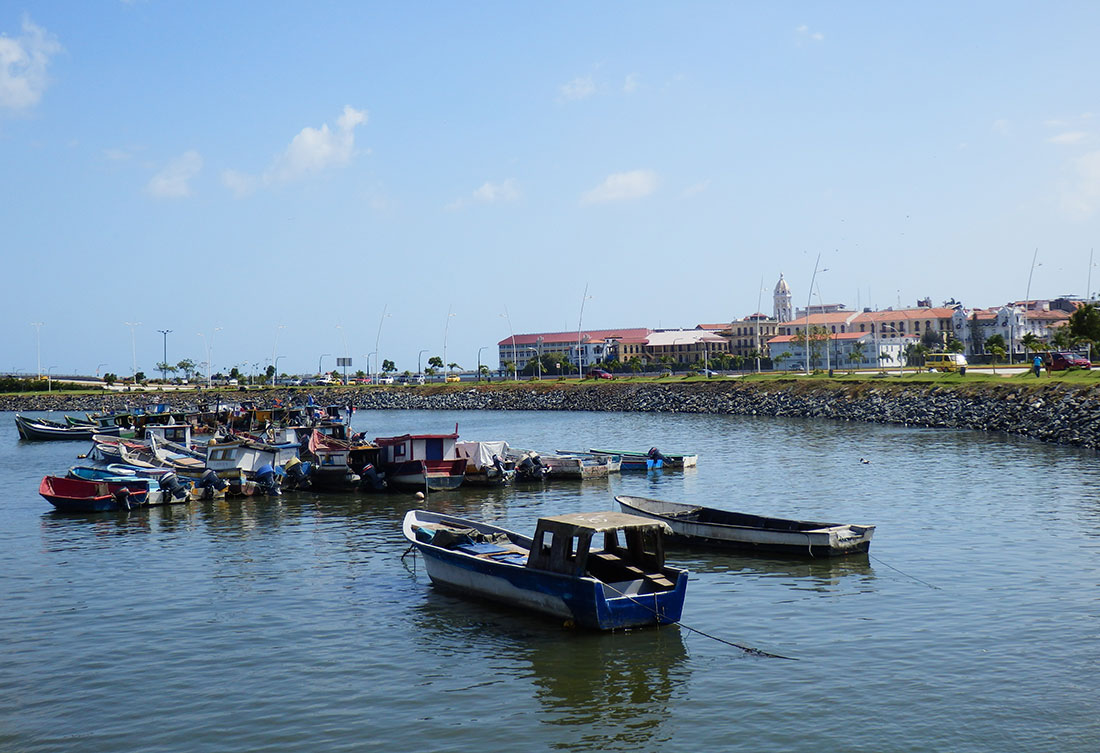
883, 357
139, 377
435, 362
270, 373
856, 354
508, 367
954, 346
187, 366
110, 378
1062, 339
1084, 325
996, 341
1033, 343
996, 351
781, 357
388, 366
635, 364
931, 339
452, 366
234, 373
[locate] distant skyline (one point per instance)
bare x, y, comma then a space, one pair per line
309, 182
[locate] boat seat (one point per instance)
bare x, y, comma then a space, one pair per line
659, 580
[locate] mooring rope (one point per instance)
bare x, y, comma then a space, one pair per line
907, 575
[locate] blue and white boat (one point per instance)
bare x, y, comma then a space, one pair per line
620, 581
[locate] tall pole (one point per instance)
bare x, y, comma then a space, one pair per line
512, 332
1088, 285
446, 329
479, 362
319, 359
38, 345
133, 345
164, 363
809, 297
274, 350
419, 370
378, 336
1027, 295
580, 318
759, 294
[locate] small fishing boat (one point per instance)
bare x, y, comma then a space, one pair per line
421, 462
652, 458
41, 429
706, 526
619, 582
580, 466
486, 463
80, 495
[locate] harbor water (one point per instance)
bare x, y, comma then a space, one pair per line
296, 623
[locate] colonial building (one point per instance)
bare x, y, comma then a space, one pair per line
752, 334
782, 310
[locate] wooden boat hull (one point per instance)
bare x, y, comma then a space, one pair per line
79, 495
584, 600
636, 459
39, 430
709, 527
433, 475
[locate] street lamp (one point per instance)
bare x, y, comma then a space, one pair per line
378, 336
580, 318
372, 353
38, 344
538, 356
164, 363
446, 328
419, 371
1027, 296
97, 369
512, 332
274, 349
133, 344
49, 383
322, 356
479, 361
275, 376
809, 299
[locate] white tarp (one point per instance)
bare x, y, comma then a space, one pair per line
480, 454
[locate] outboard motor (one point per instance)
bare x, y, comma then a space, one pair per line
654, 458
531, 468
210, 482
267, 481
370, 479
297, 474
122, 497
170, 483
498, 464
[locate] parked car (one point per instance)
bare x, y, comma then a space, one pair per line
1062, 361
453, 378
599, 374
385, 380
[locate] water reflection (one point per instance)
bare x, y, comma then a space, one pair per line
600, 691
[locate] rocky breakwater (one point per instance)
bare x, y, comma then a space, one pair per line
1052, 412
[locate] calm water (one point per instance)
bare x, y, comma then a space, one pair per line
295, 624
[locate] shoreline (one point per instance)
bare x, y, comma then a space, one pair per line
1055, 412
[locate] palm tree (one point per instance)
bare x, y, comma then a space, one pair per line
856, 354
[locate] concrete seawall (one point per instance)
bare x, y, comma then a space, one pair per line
1052, 412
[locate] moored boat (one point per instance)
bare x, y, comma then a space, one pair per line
651, 458
80, 495
41, 429
421, 462
563, 571
707, 526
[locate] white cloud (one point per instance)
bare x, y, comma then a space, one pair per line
173, 182
804, 32
581, 87
311, 151
635, 184
631, 83
23, 63
1081, 197
696, 189
1069, 137
489, 193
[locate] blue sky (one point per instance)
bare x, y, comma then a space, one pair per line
356, 172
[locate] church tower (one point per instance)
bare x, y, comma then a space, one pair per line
782, 301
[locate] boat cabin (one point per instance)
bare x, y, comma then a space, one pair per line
632, 547
394, 450
176, 433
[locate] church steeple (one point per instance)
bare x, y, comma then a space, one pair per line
782, 311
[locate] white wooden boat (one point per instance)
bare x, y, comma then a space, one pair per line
707, 526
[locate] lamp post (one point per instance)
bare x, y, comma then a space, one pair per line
372, 353
274, 350
49, 382
1027, 296
97, 368
809, 299
759, 294
275, 376
580, 318
538, 356
479, 362
133, 345
512, 332
446, 329
419, 371
378, 336
164, 363
38, 345
319, 359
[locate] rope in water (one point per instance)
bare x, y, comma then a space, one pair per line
907, 575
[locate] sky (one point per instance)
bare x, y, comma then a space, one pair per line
300, 182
